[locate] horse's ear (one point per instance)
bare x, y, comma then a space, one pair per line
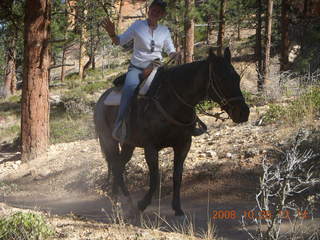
227, 54
212, 55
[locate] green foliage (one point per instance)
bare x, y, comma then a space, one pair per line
306, 107
208, 105
10, 105
274, 113
24, 226
65, 128
10, 132
253, 99
94, 87
14, 99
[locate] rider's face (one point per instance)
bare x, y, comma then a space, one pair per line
155, 13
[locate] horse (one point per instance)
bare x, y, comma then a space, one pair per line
167, 119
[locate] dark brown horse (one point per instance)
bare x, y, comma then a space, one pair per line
167, 119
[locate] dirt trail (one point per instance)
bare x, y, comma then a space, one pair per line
221, 173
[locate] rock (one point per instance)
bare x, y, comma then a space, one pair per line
39, 174
211, 154
55, 99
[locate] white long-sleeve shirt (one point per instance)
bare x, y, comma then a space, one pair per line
142, 36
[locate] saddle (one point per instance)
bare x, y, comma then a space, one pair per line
146, 72
146, 79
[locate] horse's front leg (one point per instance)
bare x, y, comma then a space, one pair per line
151, 155
180, 154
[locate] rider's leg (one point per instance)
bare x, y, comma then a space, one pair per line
131, 82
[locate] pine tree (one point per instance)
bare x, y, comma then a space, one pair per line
221, 26
189, 31
35, 104
284, 59
268, 35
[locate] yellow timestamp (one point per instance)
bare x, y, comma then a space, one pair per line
261, 214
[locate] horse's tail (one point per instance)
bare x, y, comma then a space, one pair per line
99, 116
103, 129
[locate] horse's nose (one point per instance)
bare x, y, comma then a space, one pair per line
244, 113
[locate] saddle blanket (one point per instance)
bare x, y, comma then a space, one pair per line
114, 97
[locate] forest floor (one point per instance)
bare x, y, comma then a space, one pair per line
221, 172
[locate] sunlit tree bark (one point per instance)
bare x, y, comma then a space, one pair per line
221, 26
35, 104
189, 31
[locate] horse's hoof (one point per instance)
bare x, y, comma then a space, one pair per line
134, 212
141, 206
179, 213
182, 219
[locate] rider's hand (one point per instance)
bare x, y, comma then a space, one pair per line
175, 56
109, 26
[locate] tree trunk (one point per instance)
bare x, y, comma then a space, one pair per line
189, 32
82, 53
10, 78
92, 51
120, 16
174, 16
258, 48
239, 21
305, 8
35, 104
284, 59
210, 30
266, 65
221, 27
64, 49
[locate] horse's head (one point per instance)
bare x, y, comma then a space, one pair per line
224, 87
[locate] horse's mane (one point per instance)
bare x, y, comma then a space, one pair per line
167, 71
176, 73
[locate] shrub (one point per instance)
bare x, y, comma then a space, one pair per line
274, 113
94, 87
24, 226
76, 102
306, 107
253, 99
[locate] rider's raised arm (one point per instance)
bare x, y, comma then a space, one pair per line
110, 28
128, 35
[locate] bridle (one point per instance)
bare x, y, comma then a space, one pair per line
223, 101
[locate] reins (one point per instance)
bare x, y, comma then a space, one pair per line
167, 115
211, 84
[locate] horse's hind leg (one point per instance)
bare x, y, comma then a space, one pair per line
151, 155
125, 156
117, 162
180, 154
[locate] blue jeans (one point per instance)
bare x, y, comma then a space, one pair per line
131, 83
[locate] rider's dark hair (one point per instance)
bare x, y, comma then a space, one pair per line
159, 3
